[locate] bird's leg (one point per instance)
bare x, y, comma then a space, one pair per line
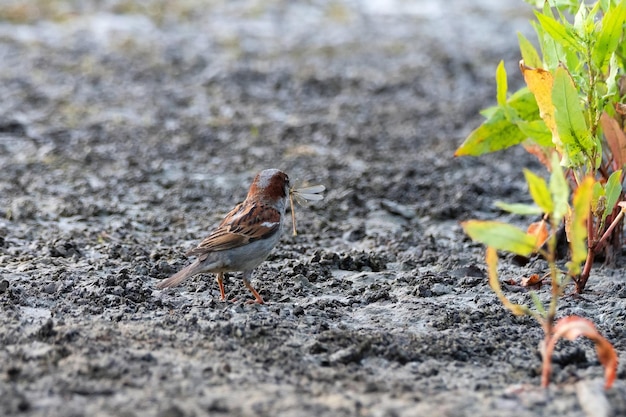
220, 283
246, 282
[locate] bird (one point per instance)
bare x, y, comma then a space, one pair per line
246, 236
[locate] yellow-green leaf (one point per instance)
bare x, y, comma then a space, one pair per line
501, 236
559, 189
578, 224
570, 119
539, 191
494, 283
529, 53
500, 130
613, 190
501, 84
493, 135
518, 208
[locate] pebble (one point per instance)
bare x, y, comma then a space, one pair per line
50, 288
440, 289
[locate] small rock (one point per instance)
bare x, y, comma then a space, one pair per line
63, 248
592, 399
423, 291
298, 311
46, 330
117, 290
50, 288
344, 356
23, 208
355, 235
394, 207
172, 411
381, 222
440, 289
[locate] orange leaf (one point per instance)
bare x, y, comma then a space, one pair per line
540, 230
532, 281
615, 138
572, 327
541, 153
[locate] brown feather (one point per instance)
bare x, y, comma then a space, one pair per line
244, 224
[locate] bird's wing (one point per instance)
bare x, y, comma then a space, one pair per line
246, 223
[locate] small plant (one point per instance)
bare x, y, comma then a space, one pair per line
573, 107
552, 199
571, 116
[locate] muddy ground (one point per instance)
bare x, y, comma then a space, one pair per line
128, 129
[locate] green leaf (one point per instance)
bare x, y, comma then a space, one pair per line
501, 84
580, 19
529, 53
538, 304
493, 135
559, 32
536, 3
549, 48
605, 4
598, 199
559, 190
500, 236
570, 119
489, 112
578, 224
518, 208
524, 103
613, 190
500, 130
537, 131
539, 191
612, 80
609, 36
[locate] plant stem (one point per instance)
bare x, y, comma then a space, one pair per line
581, 281
609, 231
556, 285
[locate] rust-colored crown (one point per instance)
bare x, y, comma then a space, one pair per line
270, 184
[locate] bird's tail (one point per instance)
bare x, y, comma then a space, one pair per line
181, 275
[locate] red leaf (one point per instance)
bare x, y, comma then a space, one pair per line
615, 138
572, 327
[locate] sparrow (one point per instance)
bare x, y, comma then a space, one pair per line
246, 236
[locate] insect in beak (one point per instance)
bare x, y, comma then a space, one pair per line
302, 196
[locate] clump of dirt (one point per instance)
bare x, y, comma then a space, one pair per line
127, 130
